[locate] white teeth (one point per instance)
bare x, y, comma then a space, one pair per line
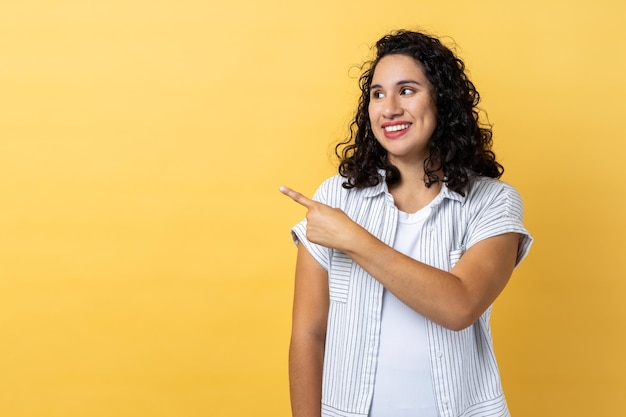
395, 128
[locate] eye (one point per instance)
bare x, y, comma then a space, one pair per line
377, 94
406, 91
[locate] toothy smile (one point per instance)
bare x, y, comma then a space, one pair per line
396, 128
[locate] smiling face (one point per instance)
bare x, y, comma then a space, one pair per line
402, 113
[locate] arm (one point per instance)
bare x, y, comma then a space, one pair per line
308, 335
454, 299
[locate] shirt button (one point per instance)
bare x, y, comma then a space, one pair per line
445, 401
439, 354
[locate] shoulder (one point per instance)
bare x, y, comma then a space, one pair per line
495, 207
333, 193
492, 194
485, 189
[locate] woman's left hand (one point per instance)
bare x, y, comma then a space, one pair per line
326, 226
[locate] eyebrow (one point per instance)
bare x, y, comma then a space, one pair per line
401, 82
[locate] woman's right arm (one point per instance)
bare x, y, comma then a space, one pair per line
308, 335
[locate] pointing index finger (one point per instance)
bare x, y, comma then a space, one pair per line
297, 197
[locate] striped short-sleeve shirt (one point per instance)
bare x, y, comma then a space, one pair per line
465, 375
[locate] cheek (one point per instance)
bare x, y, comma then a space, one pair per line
432, 107
428, 112
371, 112
374, 114
433, 115
372, 117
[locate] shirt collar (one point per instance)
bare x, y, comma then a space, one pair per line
381, 188
452, 195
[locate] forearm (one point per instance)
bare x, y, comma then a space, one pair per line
437, 295
453, 299
306, 356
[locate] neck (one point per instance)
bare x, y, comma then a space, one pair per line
411, 193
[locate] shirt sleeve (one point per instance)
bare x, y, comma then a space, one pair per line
501, 213
298, 233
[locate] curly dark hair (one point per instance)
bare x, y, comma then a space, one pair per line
460, 146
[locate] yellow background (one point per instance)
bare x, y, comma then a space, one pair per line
145, 259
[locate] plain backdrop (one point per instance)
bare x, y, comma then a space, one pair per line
146, 265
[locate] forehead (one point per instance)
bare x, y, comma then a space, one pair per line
394, 67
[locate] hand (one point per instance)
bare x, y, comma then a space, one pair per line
326, 226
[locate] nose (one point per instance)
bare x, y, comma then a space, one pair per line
392, 107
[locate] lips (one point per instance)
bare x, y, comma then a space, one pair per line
395, 130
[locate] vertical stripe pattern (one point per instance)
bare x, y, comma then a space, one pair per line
465, 375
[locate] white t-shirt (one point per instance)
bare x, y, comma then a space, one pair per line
403, 384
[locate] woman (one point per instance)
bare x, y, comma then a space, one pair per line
403, 253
